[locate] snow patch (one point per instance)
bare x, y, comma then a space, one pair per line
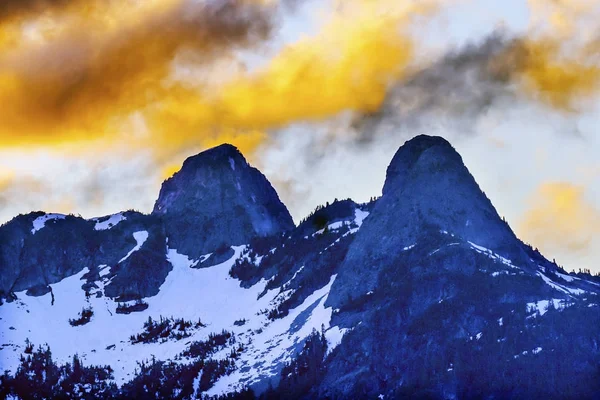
359, 216
334, 336
40, 222
140, 237
276, 342
104, 270
492, 255
208, 294
287, 284
560, 288
109, 222
542, 305
448, 245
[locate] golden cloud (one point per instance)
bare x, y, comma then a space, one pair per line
79, 79
558, 60
347, 65
560, 218
82, 79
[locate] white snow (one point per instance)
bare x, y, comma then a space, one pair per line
560, 288
209, 294
435, 251
140, 237
500, 321
109, 222
536, 350
505, 261
40, 222
334, 337
409, 247
479, 335
542, 305
286, 285
359, 217
104, 270
492, 255
567, 278
203, 258
232, 163
276, 342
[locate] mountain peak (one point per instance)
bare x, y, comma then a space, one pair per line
428, 190
224, 154
428, 183
435, 148
216, 199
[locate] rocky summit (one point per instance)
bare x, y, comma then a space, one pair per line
424, 292
217, 199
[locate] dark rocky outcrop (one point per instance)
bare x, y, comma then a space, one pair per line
30, 258
144, 271
218, 199
427, 190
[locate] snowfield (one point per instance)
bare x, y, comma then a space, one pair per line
110, 222
209, 294
140, 237
40, 222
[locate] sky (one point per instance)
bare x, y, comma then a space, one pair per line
101, 100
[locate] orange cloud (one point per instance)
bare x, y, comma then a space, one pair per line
86, 74
545, 74
560, 218
91, 66
348, 65
558, 60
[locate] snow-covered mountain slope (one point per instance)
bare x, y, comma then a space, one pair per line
424, 292
210, 295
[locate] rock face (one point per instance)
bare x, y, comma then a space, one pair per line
434, 286
218, 199
428, 186
428, 190
40, 249
135, 251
